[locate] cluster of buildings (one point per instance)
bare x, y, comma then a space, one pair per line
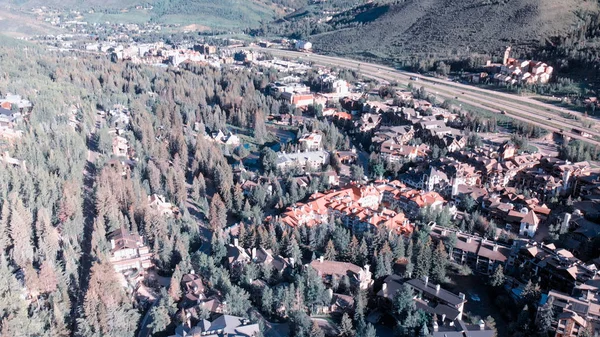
13, 109
363, 208
515, 71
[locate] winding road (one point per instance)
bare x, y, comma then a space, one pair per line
521, 108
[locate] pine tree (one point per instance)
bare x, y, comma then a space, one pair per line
423, 265
293, 250
267, 300
546, 316
48, 278
438, 264
498, 278
369, 331
175, 286
21, 234
346, 328
260, 130
353, 249
4, 225
316, 331
363, 252
218, 213
399, 249
330, 253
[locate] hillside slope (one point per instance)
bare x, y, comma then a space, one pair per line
448, 27
211, 13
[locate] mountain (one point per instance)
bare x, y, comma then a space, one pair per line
441, 27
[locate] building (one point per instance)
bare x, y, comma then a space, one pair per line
223, 326
576, 312
303, 45
359, 277
128, 251
311, 141
529, 224
120, 146
429, 297
358, 207
556, 268
481, 255
310, 160
160, 205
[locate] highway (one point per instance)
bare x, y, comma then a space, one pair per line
521, 108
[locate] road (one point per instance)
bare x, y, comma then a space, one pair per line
145, 330
521, 108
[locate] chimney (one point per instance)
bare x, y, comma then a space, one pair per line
236, 242
193, 272
437, 288
495, 248
565, 224
426, 280
384, 287
292, 261
435, 326
462, 296
367, 268
468, 239
112, 243
321, 259
253, 253
444, 318
481, 325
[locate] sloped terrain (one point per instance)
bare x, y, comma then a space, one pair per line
448, 27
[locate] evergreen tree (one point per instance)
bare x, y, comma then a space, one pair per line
346, 328
316, 331
546, 317
438, 264
497, 279
423, 265
399, 249
218, 213
175, 286
330, 253
353, 249
267, 301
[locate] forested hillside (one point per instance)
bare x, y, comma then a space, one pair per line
57, 211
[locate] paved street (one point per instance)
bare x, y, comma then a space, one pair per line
520, 108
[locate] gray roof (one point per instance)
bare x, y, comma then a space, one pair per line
430, 289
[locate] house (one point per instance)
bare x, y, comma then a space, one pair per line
311, 160
236, 255
160, 205
394, 153
529, 224
429, 297
328, 270
573, 313
7, 159
311, 141
193, 290
555, 268
481, 255
339, 304
120, 146
128, 251
223, 326
263, 256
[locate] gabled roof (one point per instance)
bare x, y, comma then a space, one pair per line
531, 219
